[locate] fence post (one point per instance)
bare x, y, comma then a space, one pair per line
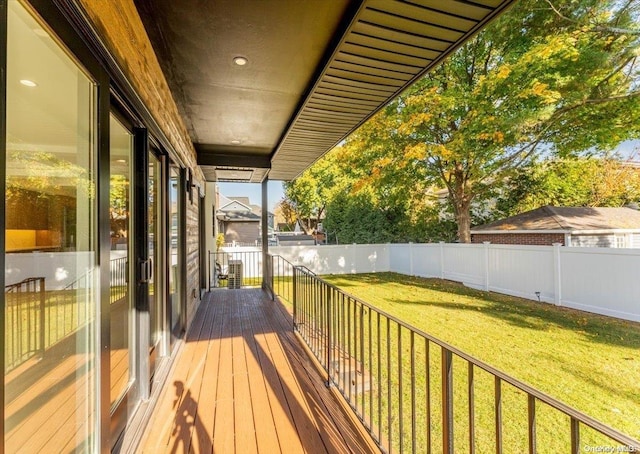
447, 401
272, 277
441, 259
295, 298
411, 259
557, 281
486, 265
42, 316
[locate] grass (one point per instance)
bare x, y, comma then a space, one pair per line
588, 361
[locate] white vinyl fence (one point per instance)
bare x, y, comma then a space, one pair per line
600, 280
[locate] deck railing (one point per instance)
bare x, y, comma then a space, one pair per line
36, 318
415, 393
24, 321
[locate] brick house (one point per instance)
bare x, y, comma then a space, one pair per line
568, 226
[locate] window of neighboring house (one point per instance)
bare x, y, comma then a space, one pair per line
620, 241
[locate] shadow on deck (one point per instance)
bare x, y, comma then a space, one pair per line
243, 383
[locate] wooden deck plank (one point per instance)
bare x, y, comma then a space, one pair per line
305, 425
223, 427
339, 431
245, 433
204, 420
172, 394
257, 391
261, 394
283, 418
185, 422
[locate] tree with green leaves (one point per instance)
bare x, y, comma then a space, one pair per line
307, 196
557, 77
570, 182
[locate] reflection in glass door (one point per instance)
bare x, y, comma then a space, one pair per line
175, 241
120, 310
155, 240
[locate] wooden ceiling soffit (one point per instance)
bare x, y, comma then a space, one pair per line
387, 47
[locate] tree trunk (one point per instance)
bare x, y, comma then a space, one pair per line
463, 219
460, 197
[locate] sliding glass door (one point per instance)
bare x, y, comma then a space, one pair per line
51, 274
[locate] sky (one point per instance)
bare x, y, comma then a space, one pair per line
254, 192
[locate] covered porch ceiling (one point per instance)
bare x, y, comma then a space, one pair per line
314, 70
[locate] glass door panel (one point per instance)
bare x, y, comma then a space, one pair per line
121, 314
51, 294
175, 271
155, 239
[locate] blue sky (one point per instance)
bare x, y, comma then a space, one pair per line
254, 192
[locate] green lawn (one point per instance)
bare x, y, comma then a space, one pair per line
588, 361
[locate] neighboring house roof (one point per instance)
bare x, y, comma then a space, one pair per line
566, 219
295, 239
239, 209
243, 200
235, 205
238, 216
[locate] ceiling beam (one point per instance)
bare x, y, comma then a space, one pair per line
216, 159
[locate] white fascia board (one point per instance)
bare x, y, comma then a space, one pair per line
601, 232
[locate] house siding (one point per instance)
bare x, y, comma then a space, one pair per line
593, 240
244, 232
530, 239
193, 256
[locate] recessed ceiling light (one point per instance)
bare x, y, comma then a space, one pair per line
28, 83
121, 161
240, 61
235, 142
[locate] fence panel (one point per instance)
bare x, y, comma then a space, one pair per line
337, 259
370, 258
399, 258
600, 280
522, 271
426, 260
604, 281
464, 263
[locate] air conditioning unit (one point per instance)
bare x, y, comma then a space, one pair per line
235, 274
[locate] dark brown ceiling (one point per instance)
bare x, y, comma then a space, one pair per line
316, 70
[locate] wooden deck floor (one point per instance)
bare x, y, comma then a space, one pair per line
244, 384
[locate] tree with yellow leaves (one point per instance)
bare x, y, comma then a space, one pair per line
549, 77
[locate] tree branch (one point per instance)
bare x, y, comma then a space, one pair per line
596, 27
